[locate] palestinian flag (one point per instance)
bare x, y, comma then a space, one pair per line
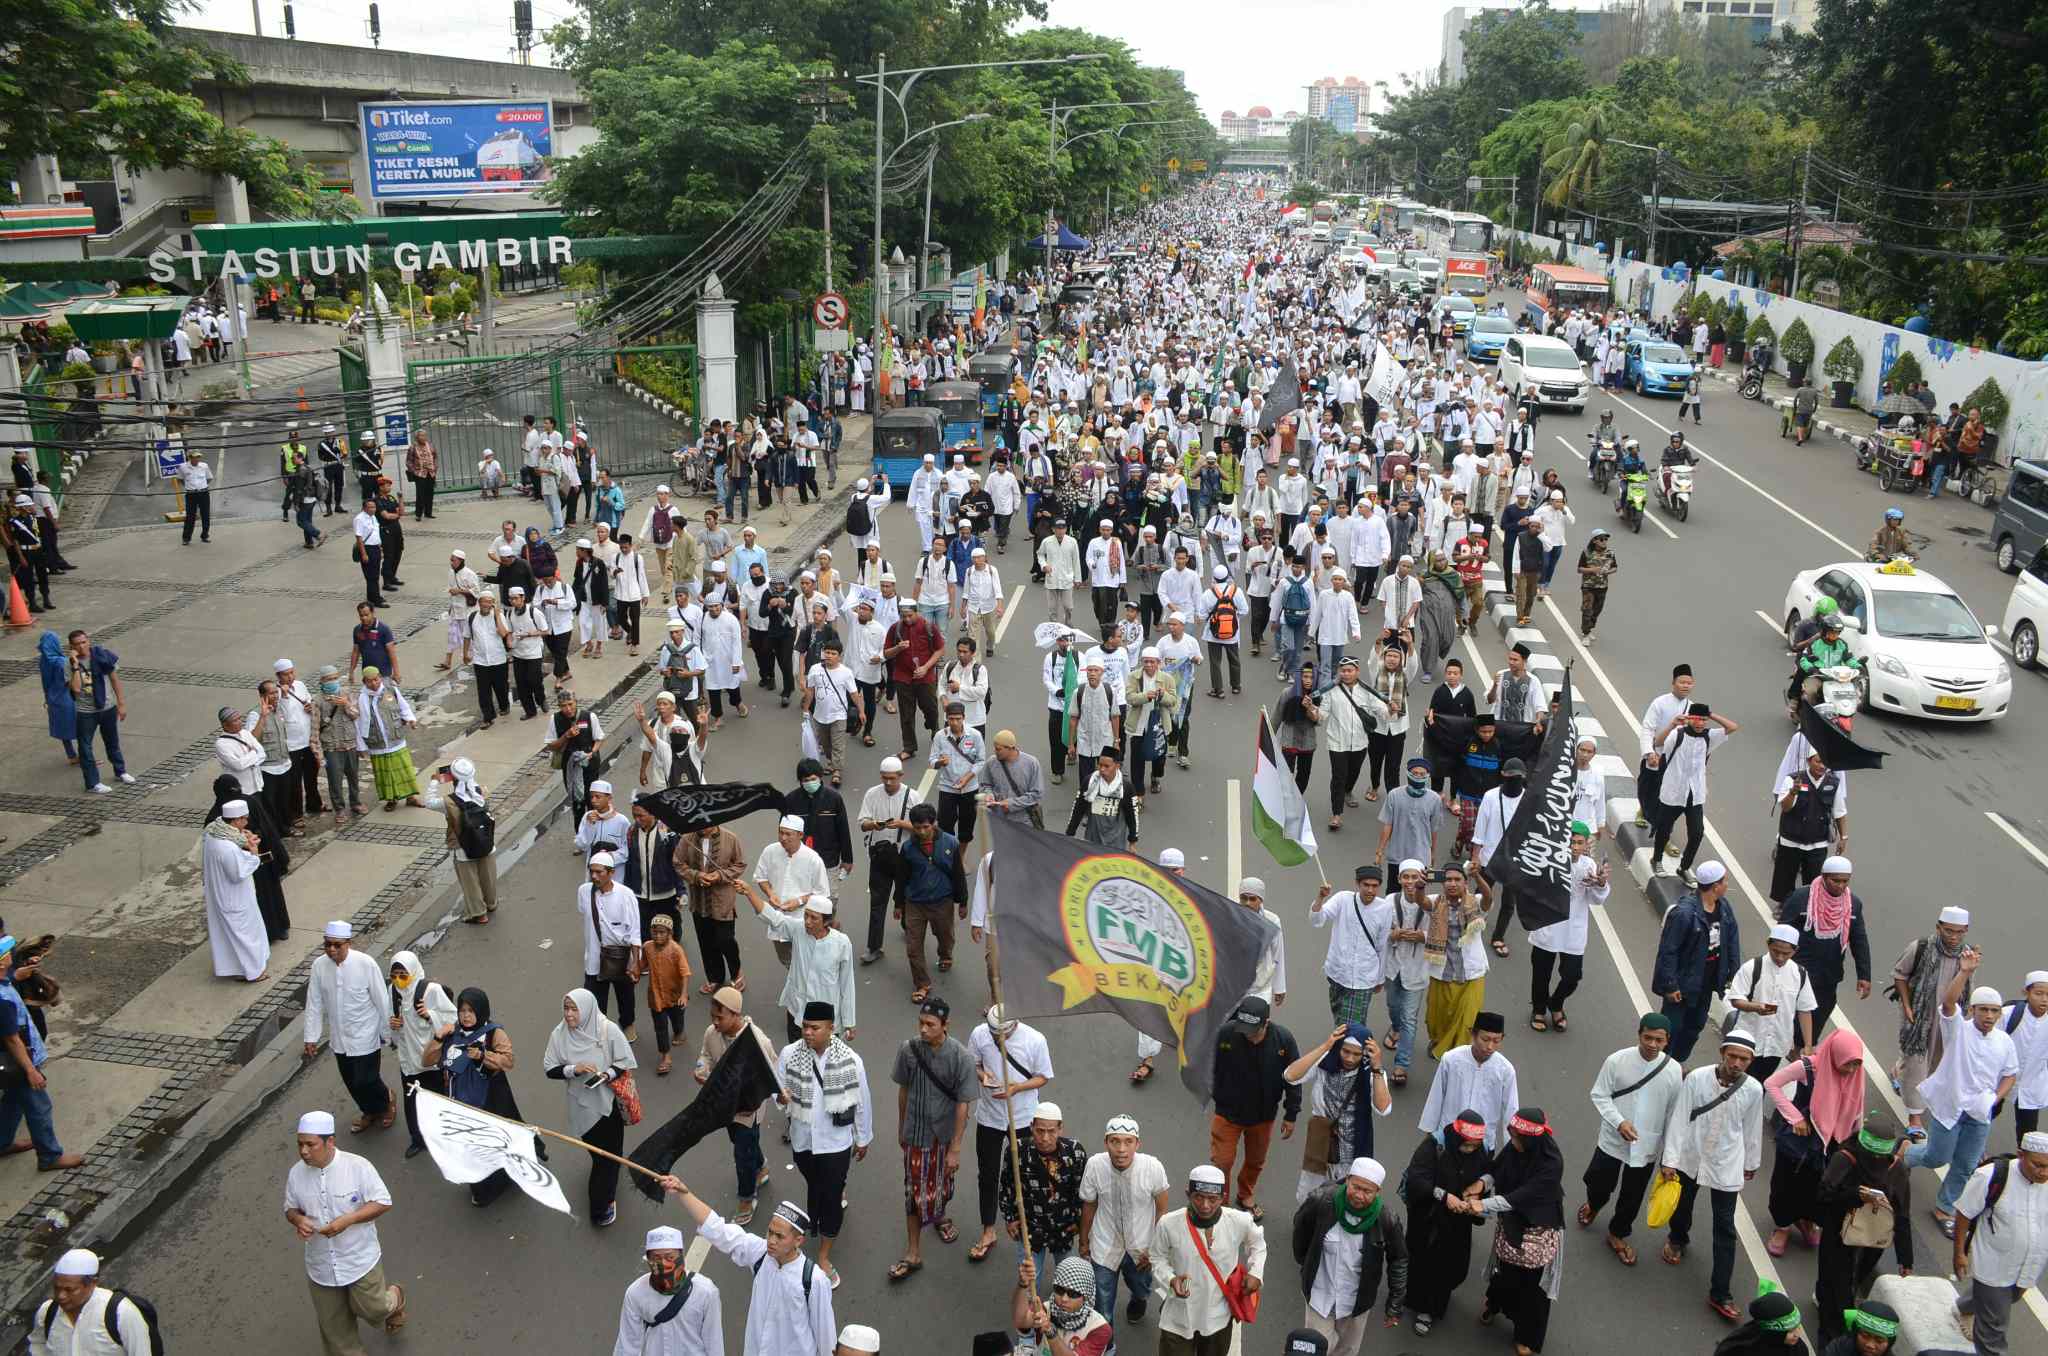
1279, 812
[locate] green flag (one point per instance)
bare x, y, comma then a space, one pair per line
1070, 678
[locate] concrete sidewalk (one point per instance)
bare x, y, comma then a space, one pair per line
145, 1036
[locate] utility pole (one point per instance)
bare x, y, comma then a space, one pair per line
1799, 227
818, 93
878, 284
256, 15
1656, 175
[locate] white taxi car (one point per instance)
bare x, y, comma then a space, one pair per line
1924, 652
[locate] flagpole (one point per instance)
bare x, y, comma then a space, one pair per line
556, 1134
995, 1029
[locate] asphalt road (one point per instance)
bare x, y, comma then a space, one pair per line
516, 1272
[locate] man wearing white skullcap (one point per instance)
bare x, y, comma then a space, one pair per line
1344, 1239
1713, 1138
76, 1319
1920, 976
1193, 1308
1059, 567
1773, 992
1221, 612
348, 1004
858, 1339
789, 1311
1023, 1064
608, 919
1105, 557
1979, 1066
332, 1200
601, 828
1123, 1194
2026, 1021
2002, 1257
229, 858
1829, 916
885, 827
669, 1311
795, 902
1269, 975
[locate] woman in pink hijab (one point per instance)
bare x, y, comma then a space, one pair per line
1820, 1105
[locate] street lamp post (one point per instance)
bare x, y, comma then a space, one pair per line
1056, 120
879, 280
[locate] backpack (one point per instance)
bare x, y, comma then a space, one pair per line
112, 1315
477, 832
1223, 617
1294, 602
859, 522
2001, 1171
664, 527
808, 1269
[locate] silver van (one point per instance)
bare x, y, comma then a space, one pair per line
2021, 526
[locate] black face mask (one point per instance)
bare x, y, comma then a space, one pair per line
1511, 786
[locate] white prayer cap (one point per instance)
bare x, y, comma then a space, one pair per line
1121, 1125
1048, 1111
1411, 864
1710, 873
860, 1337
1836, 866
458, 555
1984, 996
604, 859
317, 1123
2035, 977
1786, 933
1173, 857
234, 809
1092, 660
820, 905
1220, 573
892, 764
662, 489
281, 665
1369, 1169
795, 822
2034, 1142
79, 1262
665, 1236
1206, 1175
583, 544
1149, 652
748, 531
338, 930
927, 458
888, 576
980, 551
1253, 886
600, 788
1955, 917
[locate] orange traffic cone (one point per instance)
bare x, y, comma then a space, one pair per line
303, 406
17, 606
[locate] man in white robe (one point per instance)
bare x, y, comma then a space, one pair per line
647, 1328
1475, 1076
789, 1312
234, 923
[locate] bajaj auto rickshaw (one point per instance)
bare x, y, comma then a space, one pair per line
991, 372
903, 438
959, 407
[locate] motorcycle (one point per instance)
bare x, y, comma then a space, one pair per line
1754, 366
1832, 691
1635, 494
1677, 498
1606, 453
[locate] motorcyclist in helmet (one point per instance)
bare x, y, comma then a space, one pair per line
1827, 649
1890, 541
1676, 453
1631, 464
1808, 628
1606, 431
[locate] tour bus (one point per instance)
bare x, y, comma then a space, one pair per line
1464, 241
1555, 289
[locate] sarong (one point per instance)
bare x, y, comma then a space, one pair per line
1453, 1007
927, 1182
394, 774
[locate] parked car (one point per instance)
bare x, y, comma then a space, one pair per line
2026, 612
2021, 526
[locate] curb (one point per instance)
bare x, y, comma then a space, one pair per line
273, 1052
1614, 761
1779, 402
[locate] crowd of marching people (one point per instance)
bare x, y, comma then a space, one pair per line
1235, 453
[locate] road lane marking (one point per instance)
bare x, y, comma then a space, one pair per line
1233, 836
1765, 618
2005, 827
1878, 1080
1003, 624
1646, 512
1791, 512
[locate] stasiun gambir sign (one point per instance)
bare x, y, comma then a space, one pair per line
325, 261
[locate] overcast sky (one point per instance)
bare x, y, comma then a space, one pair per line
1235, 53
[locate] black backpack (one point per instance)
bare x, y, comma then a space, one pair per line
477, 832
859, 522
2001, 1171
112, 1316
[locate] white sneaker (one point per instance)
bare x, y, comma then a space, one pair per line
102, 789
127, 777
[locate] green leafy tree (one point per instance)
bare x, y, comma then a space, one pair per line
1904, 371
1578, 162
1989, 400
1797, 345
1844, 361
85, 80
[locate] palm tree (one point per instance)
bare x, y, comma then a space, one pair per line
1576, 165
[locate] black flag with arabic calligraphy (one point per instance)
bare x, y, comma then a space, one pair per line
1534, 858
688, 809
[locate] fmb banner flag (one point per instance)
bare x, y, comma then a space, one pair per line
469, 1145
1534, 858
1089, 931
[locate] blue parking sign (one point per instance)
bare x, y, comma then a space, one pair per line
395, 433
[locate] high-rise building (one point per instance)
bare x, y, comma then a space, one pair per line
1762, 18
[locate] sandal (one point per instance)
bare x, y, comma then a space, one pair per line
902, 1268
707, 988
980, 1251
947, 1231
1500, 948
661, 1069
868, 740
919, 995
1398, 1078
396, 1318
1536, 1022
1587, 1215
1143, 1072
1558, 1023
1622, 1249
1371, 797
1946, 1223
1672, 1254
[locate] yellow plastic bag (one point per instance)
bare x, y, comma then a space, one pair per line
1663, 1203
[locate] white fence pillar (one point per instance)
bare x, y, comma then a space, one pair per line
717, 355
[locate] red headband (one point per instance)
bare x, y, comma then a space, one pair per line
1473, 1130
1522, 1127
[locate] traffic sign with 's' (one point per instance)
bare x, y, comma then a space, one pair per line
830, 311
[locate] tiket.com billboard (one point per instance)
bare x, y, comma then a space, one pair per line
458, 149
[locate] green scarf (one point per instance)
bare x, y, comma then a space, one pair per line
1356, 1221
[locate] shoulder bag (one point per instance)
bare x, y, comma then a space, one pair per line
1244, 1308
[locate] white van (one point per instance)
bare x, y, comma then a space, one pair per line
1548, 368
2026, 612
